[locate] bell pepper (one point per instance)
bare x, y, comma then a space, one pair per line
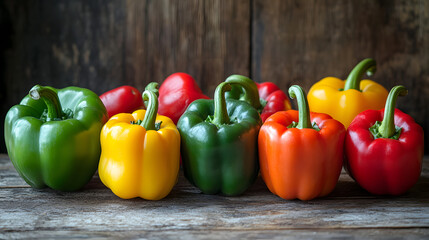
384, 149
271, 98
343, 100
140, 153
219, 143
301, 153
124, 99
176, 93
53, 137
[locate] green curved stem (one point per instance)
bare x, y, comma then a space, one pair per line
297, 92
152, 86
251, 94
387, 128
51, 100
152, 108
220, 112
353, 80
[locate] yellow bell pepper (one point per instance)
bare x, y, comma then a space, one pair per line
344, 100
140, 158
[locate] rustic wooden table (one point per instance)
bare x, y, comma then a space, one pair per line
95, 212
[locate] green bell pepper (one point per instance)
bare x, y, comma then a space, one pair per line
53, 137
219, 143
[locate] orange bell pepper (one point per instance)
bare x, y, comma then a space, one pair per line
344, 100
301, 153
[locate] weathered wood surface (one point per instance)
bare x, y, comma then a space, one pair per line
186, 213
103, 44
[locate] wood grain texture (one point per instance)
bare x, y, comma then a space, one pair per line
103, 44
95, 212
230, 234
208, 39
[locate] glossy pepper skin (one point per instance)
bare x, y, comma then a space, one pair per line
271, 98
124, 99
53, 137
301, 153
219, 144
140, 159
343, 100
176, 93
384, 149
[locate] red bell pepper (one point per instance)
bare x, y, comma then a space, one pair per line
385, 157
271, 98
276, 100
124, 99
176, 93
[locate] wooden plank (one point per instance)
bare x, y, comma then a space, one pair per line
26, 209
95, 211
208, 39
222, 234
301, 42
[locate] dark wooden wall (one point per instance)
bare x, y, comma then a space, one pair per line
104, 44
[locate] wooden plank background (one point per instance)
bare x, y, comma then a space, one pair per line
104, 44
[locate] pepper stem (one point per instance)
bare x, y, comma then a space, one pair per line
387, 128
220, 112
367, 65
152, 86
50, 97
251, 94
152, 109
297, 92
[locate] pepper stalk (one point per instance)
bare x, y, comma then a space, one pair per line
150, 97
297, 92
367, 65
304, 121
51, 100
220, 112
251, 94
387, 129
152, 86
